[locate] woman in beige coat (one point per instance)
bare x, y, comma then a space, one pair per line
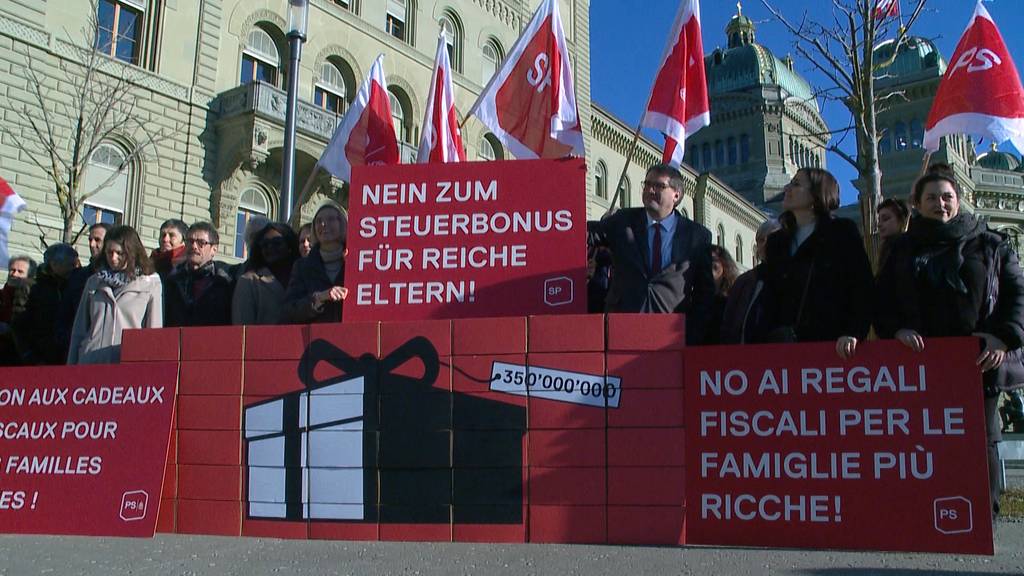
260, 290
124, 293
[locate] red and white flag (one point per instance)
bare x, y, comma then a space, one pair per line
886, 9
980, 93
530, 104
441, 140
679, 99
366, 135
10, 205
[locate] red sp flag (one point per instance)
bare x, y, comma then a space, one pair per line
980, 93
10, 205
679, 99
85, 448
530, 104
442, 137
366, 135
788, 446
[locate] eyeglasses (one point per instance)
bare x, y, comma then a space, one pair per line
659, 186
199, 242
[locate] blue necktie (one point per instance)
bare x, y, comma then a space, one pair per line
656, 251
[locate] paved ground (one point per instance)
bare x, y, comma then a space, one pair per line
200, 556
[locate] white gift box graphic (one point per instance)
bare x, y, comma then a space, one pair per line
305, 453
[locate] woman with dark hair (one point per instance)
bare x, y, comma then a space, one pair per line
125, 292
725, 271
260, 290
949, 275
306, 239
818, 280
893, 218
315, 289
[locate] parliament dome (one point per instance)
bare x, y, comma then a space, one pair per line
916, 57
997, 160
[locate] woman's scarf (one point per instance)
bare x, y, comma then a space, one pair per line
939, 253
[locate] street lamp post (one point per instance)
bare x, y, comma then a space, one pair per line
298, 18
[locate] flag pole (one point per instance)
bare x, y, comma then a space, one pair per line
625, 167
924, 162
304, 195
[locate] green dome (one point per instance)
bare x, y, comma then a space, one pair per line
996, 160
918, 57
754, 66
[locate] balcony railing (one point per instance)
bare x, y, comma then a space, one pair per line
264, 100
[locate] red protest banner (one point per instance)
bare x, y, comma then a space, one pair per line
84, 448
787, 445
434, 241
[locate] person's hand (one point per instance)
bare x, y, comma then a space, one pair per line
846, 347
911, 339
993, 354
333, 294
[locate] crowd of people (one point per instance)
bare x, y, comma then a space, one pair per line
942, 273
63, 312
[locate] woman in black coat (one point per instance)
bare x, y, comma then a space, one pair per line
949, 275
818, 280
316, 285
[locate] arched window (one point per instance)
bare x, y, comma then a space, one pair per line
601, 180
260, 58
493, 55
624, 193
399, 19
719, 153
490, 148
720, 239
916, 134
705, 153
452, 27
900, 136
107, 181
694, 157
251, 204
330, 91
398, 116
120, 25
731, 149
744, 149
739, 249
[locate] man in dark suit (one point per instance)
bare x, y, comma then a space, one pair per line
661, 259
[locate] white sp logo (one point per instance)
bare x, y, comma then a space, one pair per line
977, 60
540, 75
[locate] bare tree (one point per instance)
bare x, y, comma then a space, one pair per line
841, 45
91, 100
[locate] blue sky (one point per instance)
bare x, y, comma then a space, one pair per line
628, 37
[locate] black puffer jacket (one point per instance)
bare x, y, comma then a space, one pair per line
955, 279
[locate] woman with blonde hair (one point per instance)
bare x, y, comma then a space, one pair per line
316, 287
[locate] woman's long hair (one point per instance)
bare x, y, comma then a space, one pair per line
730, 271
135, 256
824, 193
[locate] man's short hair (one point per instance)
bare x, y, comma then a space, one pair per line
106, 227
60, 254
211, 232
675, 177
175, 223
31, 264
